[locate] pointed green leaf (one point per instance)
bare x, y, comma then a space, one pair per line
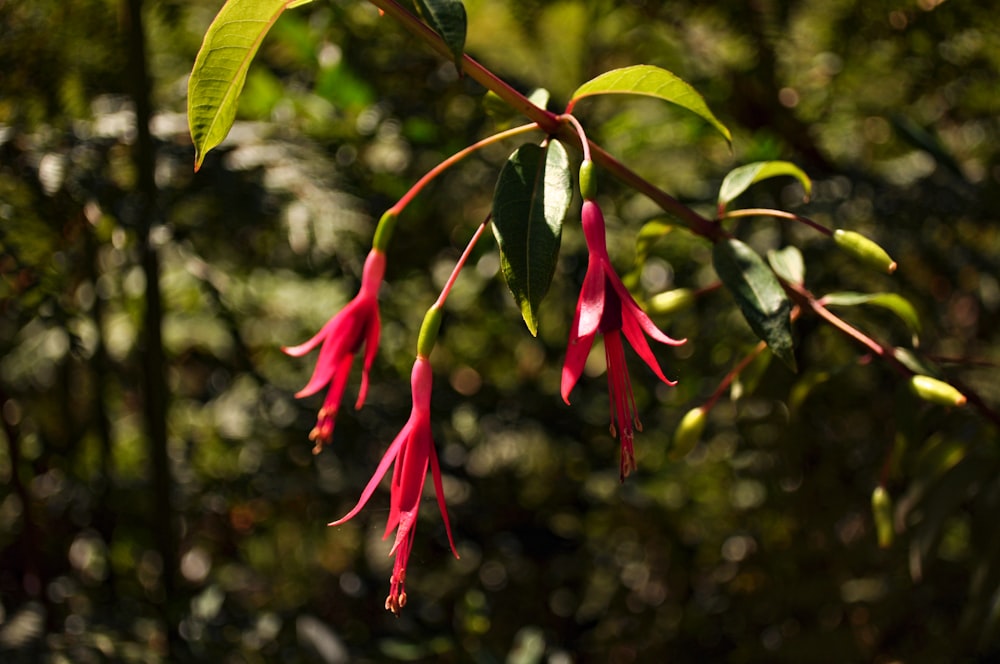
531, 199
448, 19
648, 235
764, 304
746, 381
897, 304
652, 82
787, 263
220, 69
739, 179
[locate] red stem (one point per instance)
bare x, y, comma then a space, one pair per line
779, 214
461, 263
454, 159
550, 123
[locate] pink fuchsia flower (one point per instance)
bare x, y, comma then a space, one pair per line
411, 453
606, 307
341, 338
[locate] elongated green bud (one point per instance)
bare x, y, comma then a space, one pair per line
936, 391
429, 332
588, 184
882, 515
865, 250
671, 301
688, 432
384, 230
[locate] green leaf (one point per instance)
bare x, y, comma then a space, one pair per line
652, 82
739, 179
787, 263
648, 235
897, 304
220, 69
532, 196
764, 304
448, 19
503, 114
746, 381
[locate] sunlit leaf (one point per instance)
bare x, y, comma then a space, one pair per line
804, 386
746, 382
943, 475
648, 235
764, 304
739, 179
897, 304
448, 19
220, 69
531, 199
787, 263
652, 82
503, 114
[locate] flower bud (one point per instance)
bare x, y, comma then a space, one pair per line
936, 391
588, 186
882, 515
671, 301
429, 332
384, 230
688, 432
865, 250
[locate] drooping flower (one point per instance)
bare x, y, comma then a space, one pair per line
410, 454
606, 307
341, 338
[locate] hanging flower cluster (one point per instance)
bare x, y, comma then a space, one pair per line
532, 198
605, 308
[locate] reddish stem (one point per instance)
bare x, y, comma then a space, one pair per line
779, 214
454, 159
550, 122
461, 263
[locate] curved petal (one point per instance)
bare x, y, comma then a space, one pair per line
383, 466
371, 350
590, 306
639, 344
439, 494
405, 534
408, 479
633, 310
335, 375
330, 360
345, 318
576, 357
415, 459
317, 339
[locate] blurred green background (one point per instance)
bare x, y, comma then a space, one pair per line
159, 501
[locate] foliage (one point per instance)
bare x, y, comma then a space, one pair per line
760, 544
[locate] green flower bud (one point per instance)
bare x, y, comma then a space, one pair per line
384, 230
671, 301
688, 432
936, 391
882, 515
429, 332
864, 250
588, 184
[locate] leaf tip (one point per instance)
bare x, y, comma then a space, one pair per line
529, 319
